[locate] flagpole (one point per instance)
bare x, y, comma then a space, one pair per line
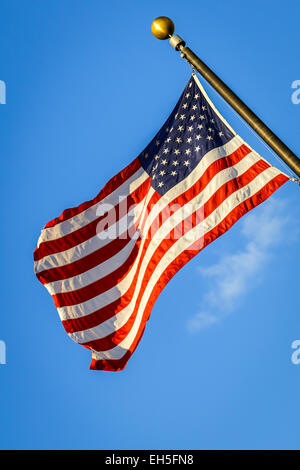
163, 28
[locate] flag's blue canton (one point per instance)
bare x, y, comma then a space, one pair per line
192, 130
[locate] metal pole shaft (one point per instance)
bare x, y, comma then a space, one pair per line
254, 121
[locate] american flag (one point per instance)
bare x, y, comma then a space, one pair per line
106, 261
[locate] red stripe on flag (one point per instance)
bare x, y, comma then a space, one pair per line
84, 264
110, 186
89, 230
98, 287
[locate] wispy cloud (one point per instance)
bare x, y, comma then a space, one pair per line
236, 273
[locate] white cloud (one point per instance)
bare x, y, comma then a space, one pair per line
235, 274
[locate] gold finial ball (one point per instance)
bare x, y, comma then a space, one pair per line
162, 27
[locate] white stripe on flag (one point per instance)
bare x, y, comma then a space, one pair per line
90, 214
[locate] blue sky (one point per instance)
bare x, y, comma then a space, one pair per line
87, 88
